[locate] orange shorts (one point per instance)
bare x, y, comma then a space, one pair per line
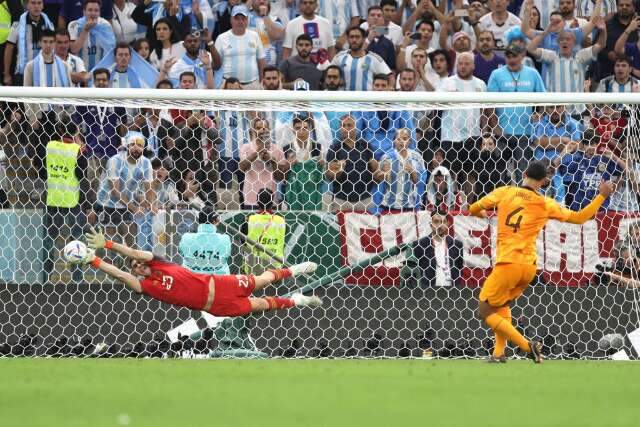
506, 283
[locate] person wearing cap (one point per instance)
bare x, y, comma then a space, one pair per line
514, 124
206, 251
239, 52
358, 65
128, 174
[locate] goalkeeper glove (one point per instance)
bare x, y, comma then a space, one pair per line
89, 257
95, 239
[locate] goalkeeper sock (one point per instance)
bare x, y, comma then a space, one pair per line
280, 274
501, 326
501, 339
277, 303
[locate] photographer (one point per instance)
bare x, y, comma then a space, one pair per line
624, 271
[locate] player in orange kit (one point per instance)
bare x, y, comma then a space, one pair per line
522, 213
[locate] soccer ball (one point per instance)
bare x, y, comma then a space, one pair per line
74, 252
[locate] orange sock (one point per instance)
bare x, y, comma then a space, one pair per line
501, 339
277, 303
280, 274
504, 327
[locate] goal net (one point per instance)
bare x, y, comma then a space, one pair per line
359, 179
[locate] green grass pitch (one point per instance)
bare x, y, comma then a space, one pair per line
304, 393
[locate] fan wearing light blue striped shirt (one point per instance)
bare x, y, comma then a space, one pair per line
239, 51
92, 37
269, 27
401, 176
358, 65
621, 80
567, 68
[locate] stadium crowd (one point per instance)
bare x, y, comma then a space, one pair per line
133, 162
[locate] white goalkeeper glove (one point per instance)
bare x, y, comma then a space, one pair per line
89, 257
95, 239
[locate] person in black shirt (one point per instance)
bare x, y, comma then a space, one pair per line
350, 169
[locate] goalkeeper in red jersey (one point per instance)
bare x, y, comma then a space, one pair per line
220, 295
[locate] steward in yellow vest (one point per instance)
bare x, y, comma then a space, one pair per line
64, 166
269, 230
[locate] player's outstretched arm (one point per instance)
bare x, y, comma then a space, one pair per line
128, 279
589, 211
96, 240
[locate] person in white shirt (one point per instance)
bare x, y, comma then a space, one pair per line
498, 21
79, 74
316, 27
269, 28
394, 31
567, 9
165, 44
358, 65
461, 129
425, 32
46, 69
239, 52
199, 63
91, 36
124, 27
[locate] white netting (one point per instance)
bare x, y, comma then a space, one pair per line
342, 201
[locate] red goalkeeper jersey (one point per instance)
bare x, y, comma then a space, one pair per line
174, 284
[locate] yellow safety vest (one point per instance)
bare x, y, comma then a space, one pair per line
269, 231
5, 22
63, 187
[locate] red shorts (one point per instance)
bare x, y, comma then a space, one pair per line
231, 297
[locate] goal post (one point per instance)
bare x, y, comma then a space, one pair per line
355, 207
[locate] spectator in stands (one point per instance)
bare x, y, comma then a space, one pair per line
128, 174
71, 10
387, 28
450, 26
240, 53
92, 37
125, 28
269, 27
409, 43
401, 176
442, 193
567, 9
358, 65
461, 129
46, 69
259, 161
490, 170
516, 36
23, 40
566, 68
583, 170
166, 195
128, 69
142, 48
234, 132
378, 40
379, 127
438, 258
486, 60
222, 17
155, 124
350, 169
630, 50
333, 78
316, 27
609, 125
514, 123
102, 129
79, 74
625, 198
194, 60
407, 80
342, 14
498, 21
300, 67
303, 166
554, 131
440, 64
423, 73
148, 12
616, 26
165, 43
190, 194
271, 79
586, 8
621, 80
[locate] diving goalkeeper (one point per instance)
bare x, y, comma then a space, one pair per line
220, 295
522, 212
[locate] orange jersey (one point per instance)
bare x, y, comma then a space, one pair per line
522, 213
